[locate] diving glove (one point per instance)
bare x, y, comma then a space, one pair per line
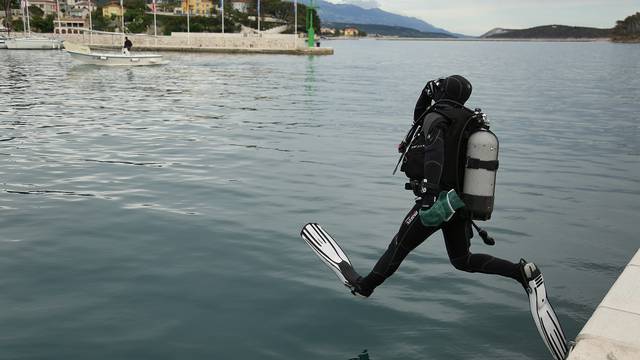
442, 210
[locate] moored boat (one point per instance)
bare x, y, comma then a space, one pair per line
32, 43
84, 54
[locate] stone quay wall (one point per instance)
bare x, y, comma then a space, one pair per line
194, 41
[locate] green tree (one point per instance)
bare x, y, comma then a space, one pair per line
7, 5
627, 29
44, 25
35, 11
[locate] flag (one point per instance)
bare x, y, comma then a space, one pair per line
153, 6
23, 4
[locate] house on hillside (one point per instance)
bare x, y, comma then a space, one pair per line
112, 9
197, 7
49, 7
70, 26
241, 5
351, 32
328, 31
78, 13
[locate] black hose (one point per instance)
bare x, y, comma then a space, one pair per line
484, 235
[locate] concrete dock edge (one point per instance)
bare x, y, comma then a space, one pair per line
193, 49
613, 331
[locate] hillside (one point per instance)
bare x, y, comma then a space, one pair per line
346, 13
627, 30
549, 32
384, 30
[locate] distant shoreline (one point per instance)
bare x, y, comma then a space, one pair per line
497, 40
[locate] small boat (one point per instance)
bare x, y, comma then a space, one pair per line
84, 54
3, 44
32, 43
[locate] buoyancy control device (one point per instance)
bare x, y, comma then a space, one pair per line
476, 155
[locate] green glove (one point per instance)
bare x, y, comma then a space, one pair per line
442, 210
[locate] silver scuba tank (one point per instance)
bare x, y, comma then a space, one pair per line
480, 174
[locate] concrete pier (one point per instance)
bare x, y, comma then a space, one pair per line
613, 331
245, 43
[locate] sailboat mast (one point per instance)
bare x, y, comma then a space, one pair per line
90, 22
58, 15
24, 22
155, 23
28, 22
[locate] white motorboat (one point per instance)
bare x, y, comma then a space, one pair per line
3, 44
33, 43
84, 54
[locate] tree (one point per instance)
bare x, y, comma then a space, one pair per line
7, 11
627, 29
35, 11
44, 25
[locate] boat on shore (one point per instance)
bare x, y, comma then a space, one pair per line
32, 43
83, 54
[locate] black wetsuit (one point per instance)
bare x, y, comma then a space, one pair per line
128, 44
457, 231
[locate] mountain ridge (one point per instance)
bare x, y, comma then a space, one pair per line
548, 32
387, 30
348, 13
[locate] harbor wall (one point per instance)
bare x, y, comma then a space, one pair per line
194, 40
613, 331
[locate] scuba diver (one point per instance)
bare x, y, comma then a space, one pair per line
450, 157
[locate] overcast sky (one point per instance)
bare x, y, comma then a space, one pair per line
475, 17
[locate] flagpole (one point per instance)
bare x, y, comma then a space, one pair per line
155, 24
58, 14
188, 31
223, 16
90, 22
28, 22
24, 21
122, 22
295, 16
258, 15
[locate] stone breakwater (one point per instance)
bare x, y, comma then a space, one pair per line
205, 42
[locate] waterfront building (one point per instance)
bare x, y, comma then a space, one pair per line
85, 4
111, 9
80, 13
241, 5
49, 7
197, 7
353, 32
70, 26
328, 31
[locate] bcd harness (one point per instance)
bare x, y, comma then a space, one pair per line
470, 155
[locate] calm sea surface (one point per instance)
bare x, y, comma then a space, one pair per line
154, 213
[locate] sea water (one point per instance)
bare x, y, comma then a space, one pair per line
154, 212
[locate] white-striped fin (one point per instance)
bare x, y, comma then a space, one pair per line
546, 320
326, 248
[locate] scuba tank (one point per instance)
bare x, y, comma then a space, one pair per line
480, 170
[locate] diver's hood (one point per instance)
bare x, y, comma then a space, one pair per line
455, 88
